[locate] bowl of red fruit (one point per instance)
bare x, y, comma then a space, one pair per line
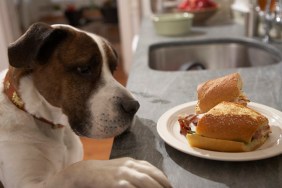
202, 9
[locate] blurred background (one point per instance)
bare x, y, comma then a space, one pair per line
117, 21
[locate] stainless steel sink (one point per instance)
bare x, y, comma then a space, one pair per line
211, 54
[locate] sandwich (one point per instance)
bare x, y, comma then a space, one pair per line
212, 92
227, 127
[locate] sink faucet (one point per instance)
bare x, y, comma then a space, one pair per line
271, 18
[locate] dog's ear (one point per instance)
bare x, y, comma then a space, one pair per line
36, 45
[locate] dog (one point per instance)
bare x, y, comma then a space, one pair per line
59, 86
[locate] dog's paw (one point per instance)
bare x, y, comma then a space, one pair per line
116, 173
134, 173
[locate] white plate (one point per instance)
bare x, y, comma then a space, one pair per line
169, 130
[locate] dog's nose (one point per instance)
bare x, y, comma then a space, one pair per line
130, 106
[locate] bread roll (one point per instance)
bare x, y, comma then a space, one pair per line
230, 127
212, 92
214, 144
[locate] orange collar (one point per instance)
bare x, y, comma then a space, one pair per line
11, 91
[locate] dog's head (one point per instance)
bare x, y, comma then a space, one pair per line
73, 70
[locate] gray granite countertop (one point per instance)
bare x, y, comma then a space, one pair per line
158, 91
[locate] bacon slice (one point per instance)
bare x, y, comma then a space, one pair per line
261, 132
242, 99
185, 122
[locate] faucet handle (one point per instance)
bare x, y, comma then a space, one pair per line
278, 12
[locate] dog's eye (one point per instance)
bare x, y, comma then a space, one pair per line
84, 70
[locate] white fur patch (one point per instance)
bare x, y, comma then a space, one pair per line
107, 119
36, 105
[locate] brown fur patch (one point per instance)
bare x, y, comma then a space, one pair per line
59, 81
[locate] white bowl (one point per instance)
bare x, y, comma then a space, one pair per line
173, 24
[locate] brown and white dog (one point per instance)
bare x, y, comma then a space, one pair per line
59, 83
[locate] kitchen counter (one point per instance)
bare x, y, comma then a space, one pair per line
158, 91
